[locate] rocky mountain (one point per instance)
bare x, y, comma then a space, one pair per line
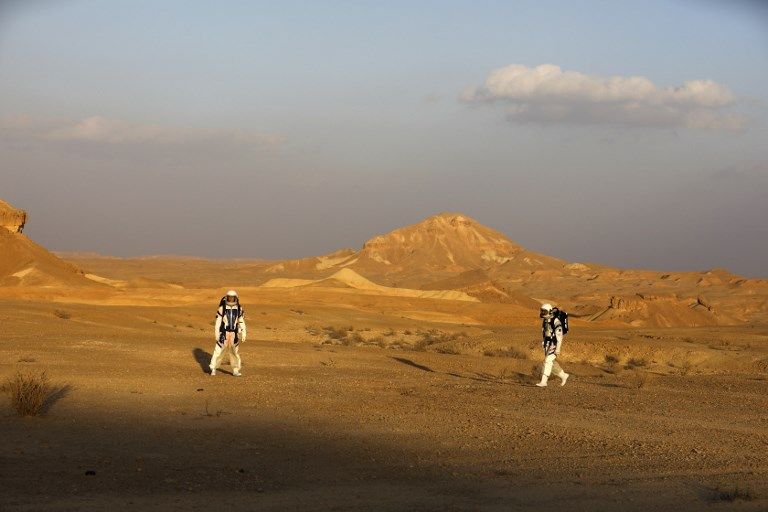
451, 251
439, 247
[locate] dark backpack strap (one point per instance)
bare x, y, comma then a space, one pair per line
557, 314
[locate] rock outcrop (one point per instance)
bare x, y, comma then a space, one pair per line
12, 218
24, 263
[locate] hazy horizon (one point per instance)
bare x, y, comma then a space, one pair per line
625, 134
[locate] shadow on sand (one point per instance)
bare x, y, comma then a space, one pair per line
418, 366
203, 358
56, 394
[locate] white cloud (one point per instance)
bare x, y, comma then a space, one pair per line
547, 94
97, 129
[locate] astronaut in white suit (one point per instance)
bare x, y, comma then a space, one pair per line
552, 340
229, 332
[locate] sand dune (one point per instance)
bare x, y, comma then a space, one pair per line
349, 278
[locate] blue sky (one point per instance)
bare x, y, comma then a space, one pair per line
324, 123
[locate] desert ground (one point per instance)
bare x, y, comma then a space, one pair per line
370, 384
318, 423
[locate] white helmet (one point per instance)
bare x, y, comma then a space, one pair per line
232, 297
545, 311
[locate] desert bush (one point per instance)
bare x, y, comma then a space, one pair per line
28, 392
433, 337
611, 359
378, 340
635, 362
352, 338
510, 352
389, 332
685, 368
731, 494
60, 313
407, 332
337, 333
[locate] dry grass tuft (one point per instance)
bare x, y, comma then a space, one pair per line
510, 352
29, 391
60, 313
635, 362
435, 336
684, 368
732, 494
352, 338
378, 340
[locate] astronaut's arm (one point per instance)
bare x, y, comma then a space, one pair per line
241, 327
217, 324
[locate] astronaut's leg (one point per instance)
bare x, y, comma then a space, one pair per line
234, 359
549, 361
560, 372
218, 353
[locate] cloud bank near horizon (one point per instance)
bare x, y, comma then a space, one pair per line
103, 130
547, 94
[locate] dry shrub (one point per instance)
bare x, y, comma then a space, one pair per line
635, 362
389, 332
683, 368
379, 340
731, 494
510, 352
352, 338
433, 336
60, 313
611, 359
337, 333
28, 391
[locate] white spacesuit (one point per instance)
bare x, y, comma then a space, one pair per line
229, 331
552, 339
